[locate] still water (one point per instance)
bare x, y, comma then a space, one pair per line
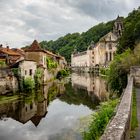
53, 113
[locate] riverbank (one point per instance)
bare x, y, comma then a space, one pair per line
100, 120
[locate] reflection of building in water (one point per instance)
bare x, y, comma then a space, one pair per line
92, 84
32, 108
54, 87
23, 112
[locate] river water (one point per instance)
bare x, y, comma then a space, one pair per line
58, 111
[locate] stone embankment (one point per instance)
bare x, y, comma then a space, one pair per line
8, 83
118, 128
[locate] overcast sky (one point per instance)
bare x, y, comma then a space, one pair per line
22, 21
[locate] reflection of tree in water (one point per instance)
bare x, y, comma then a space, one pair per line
79, 96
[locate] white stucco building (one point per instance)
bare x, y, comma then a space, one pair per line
82, 59
27, 68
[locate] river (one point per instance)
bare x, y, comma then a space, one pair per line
58, 111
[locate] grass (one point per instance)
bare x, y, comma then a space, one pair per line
134, 120
100, 120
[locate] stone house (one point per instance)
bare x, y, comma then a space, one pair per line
26, 68
9, 56
35, 53
39, 55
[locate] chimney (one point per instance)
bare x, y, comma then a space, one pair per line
0, 46
7, 48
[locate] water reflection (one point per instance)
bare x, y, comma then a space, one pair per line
52, 113
95, 86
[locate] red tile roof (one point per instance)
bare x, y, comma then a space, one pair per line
9, 52
35, 47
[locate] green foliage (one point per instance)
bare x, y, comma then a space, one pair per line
134, 120
28, 84
52, 92
120, 67
15, 71
2, 64
51, 64
104, 71
38, 76
62, 73
131, 34
100, 120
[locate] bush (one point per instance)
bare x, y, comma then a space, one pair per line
62, 73
100, 120
120, 68
28, 84
104, 71
38, 77
15, 71
51, 64
2, 64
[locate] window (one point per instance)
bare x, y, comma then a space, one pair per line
25, 72
110, 56
106, 55
26, 109
31, 106
30, 72
110, 47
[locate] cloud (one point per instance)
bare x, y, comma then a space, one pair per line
23, 21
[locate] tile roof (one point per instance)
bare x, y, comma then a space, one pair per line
35, 47
9, 51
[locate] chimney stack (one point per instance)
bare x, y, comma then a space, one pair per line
7, 48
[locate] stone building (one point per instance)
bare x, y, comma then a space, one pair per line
102, 53
26, 68
39, 55
9, 56
105, 49
82, 59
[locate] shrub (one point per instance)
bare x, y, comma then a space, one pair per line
120, 68
28, 84
62, 73
2, 64
15, 71
100, 120
104, 71
51, 64
38, 77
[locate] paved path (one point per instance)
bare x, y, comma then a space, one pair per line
138, 112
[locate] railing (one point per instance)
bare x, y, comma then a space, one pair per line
118, 128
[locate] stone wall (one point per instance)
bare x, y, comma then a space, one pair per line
8, 83
118, 128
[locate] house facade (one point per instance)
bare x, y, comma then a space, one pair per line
82, 59
27, 68
105, 49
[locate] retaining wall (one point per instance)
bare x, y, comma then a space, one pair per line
118, 128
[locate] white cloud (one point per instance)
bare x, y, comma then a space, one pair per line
22, 21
